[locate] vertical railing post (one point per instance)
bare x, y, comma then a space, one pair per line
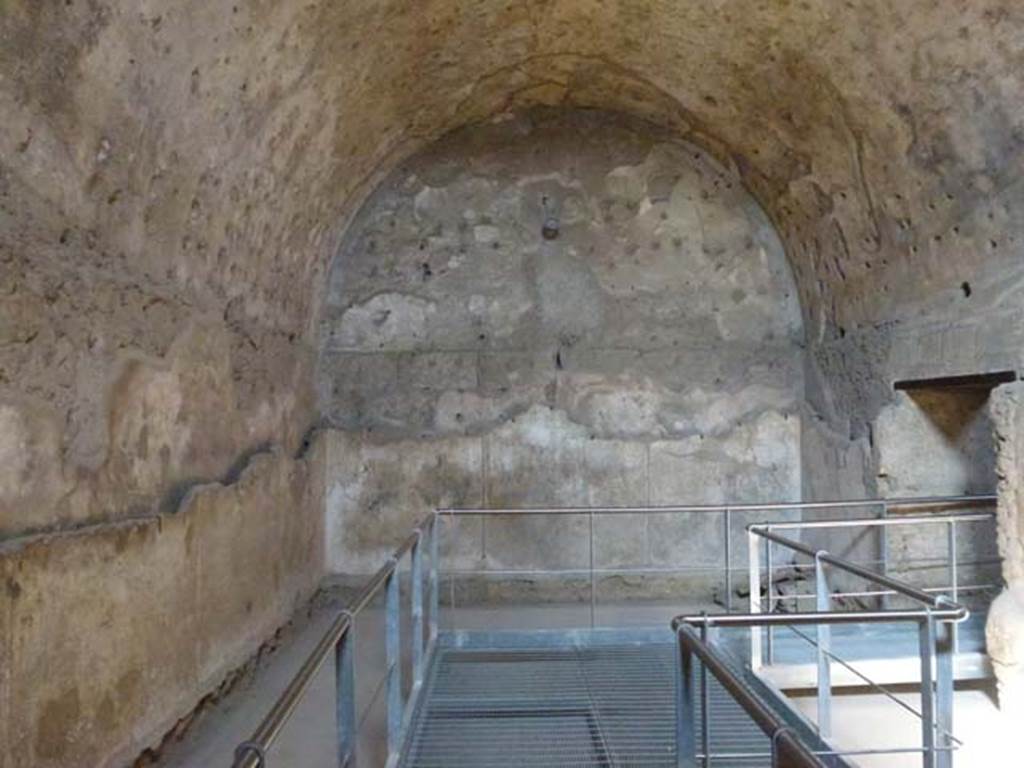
416, 599
883, 550
686, 707
705, 702
345, 695
954, 579
926, 647
451, 570
392, 647
943, 648
593, 585
435, 582
770, 644
754, 585
728, 561
824, 647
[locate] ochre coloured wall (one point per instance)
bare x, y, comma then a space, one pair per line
175, 177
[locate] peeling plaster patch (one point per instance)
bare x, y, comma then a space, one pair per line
390, 321
15, 452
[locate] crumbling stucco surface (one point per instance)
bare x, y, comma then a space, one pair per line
1005, 628
1008, 421
111, 631
650, 351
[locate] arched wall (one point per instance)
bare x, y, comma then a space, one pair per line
175, 177
647, 348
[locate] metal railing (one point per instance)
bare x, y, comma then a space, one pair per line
425, 607
339, 641
936, 622
788, 749
953, 588
728, 513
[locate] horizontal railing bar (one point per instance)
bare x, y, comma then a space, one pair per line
584, 571
876, 522
920, 563
899, 503
829, 753
885, 592
955, 613
843, 564
465, 572
763, 717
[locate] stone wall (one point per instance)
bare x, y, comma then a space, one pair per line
160, 503
1005, 628
648, 352
112, 632
940, 442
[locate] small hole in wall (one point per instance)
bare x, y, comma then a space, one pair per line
966, 288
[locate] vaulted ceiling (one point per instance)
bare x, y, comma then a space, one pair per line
223, 147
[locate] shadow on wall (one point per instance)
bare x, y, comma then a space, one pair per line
937, 438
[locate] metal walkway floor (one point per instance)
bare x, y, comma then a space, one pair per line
595, 706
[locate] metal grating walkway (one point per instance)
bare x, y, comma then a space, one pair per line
595, 706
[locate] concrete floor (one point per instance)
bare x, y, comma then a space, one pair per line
307, 741
872, 721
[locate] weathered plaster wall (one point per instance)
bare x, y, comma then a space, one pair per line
160, 511
112, 632
939, 442
187, 160
1005, 628
649, 353
1008, 419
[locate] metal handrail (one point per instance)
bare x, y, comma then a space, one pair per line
249, 753
788, 751
892, 504
962, 517
952, 612
252, 752
885, 506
